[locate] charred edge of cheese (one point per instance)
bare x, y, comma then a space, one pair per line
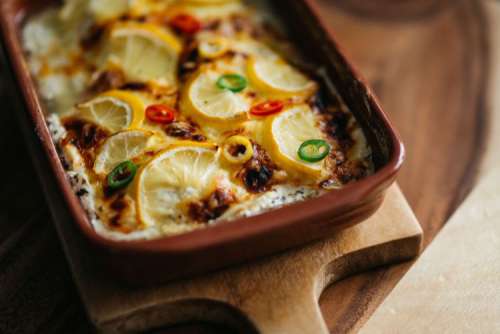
80, 184
278, 196
275, 198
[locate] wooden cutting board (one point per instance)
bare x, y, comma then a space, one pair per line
274, 295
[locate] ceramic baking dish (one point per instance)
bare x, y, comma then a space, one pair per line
152, 261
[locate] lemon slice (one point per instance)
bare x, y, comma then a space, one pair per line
287, 131
277, 77
209, 2
178, 174
145, 7
104, 10
74, 11
114, 110
205, 99
254, 48
145, 52
208, 10
126, 145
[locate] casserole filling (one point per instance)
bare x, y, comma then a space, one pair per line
171, 115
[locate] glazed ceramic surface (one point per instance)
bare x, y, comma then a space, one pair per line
151, 261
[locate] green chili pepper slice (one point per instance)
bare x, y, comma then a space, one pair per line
121, 175
233, 82
314, 150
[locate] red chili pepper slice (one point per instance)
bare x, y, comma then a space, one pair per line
186, 23
160, 113
267, 108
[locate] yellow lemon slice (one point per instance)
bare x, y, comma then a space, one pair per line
209, 2
104, 10
205, 99
145, 7
253, 47
114, 110
178, 174
287, 131
125, 145
210, 10
145, 52
275, 76
74, 11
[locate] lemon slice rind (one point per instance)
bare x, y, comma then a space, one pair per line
180, 173
113, 110
203, 98
145, 52
277, 77
122, 146
287, 131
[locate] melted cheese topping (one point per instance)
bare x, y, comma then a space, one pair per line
100, 65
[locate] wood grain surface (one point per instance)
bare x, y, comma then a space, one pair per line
453, 287
277, 294
428, 62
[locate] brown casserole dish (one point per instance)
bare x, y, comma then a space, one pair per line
150, 261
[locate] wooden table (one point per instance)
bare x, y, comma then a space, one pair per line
428, 62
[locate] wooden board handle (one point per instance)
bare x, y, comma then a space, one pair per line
277, 294
298, 319
288, 313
